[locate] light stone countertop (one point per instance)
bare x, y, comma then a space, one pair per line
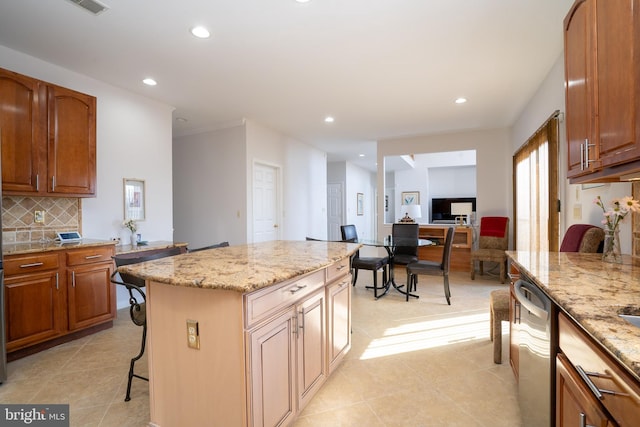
591, 292
35, 247
242, 268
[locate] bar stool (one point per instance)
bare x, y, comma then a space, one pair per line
499, 311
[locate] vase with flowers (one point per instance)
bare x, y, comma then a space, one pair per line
618, 210
132, 226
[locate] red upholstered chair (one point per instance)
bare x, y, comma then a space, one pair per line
584, 238
492, 244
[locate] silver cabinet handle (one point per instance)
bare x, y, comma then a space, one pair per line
73, 279
37, 182
298, 288
93, 256
57, 284
585, 377
582, 156
341, 267
53, 183
33, 264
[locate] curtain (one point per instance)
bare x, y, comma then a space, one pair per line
535, 186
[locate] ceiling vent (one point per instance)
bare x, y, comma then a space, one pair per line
93, 6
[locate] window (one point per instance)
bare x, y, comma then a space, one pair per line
535, 198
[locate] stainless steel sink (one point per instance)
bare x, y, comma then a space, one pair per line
631, 314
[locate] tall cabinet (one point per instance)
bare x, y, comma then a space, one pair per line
48, 138
602, 88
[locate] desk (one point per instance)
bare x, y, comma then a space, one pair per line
390, 245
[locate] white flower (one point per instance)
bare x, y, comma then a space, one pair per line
131, 225
619, 209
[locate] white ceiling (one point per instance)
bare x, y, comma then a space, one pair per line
382, 68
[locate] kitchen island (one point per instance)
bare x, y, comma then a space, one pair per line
245, 335
587, 333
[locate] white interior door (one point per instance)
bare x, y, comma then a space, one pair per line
266, 224
335, 218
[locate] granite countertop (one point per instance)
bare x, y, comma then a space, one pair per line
34, 247
149, 246
242, 268
592, 292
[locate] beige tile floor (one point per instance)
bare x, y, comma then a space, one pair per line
416, 363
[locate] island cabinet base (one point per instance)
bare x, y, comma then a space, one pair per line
262, 356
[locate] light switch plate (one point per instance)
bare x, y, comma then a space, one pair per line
193, 334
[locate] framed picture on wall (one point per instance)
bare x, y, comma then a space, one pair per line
134, 199
360, 204
410, 197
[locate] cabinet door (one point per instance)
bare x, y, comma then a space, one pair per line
72, 142
514, 331
22, 132
91, 295
581, 110
34, 309
272, 371
311, 346
575, 405
338, 320
618, 80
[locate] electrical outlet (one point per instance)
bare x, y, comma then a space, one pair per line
193, 334
38, 217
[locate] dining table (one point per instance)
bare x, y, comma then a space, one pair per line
391, 244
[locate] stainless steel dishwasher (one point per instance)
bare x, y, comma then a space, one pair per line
535, 366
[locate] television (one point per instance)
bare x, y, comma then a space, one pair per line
440, 210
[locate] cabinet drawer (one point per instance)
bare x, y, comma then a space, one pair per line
90, 255
30, 263
262, 303
620, 391
338, 269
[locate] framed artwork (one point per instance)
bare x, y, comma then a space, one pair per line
410, 197
360, 204
134, 199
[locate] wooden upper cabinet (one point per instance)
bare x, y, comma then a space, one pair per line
48, 138
22, 130
72, 142
602, 84
618, 80
580, 123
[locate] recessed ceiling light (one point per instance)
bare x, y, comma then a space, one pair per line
200, 32
181, 120
461, 100
360, 155
149, 81
329, 119
302, 1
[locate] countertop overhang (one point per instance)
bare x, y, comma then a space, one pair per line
591, 292
243, 268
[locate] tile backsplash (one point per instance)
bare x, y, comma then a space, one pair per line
18, 218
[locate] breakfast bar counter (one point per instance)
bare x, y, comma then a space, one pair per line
245, 335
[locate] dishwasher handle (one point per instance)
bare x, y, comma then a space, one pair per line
541, 312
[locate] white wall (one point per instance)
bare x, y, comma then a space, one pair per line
209, 184
303, 202
493, 166
577, 203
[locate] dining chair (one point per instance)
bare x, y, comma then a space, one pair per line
585, 238
350, 234
432, 268
137, 298
492, 244
404, 255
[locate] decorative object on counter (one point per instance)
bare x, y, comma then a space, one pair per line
411, 212
134, 199
132, 226
619, 209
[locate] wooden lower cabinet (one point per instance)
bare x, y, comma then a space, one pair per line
263, 355
46, 299
575, 404
462, 244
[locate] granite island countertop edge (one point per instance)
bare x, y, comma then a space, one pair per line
243, 268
